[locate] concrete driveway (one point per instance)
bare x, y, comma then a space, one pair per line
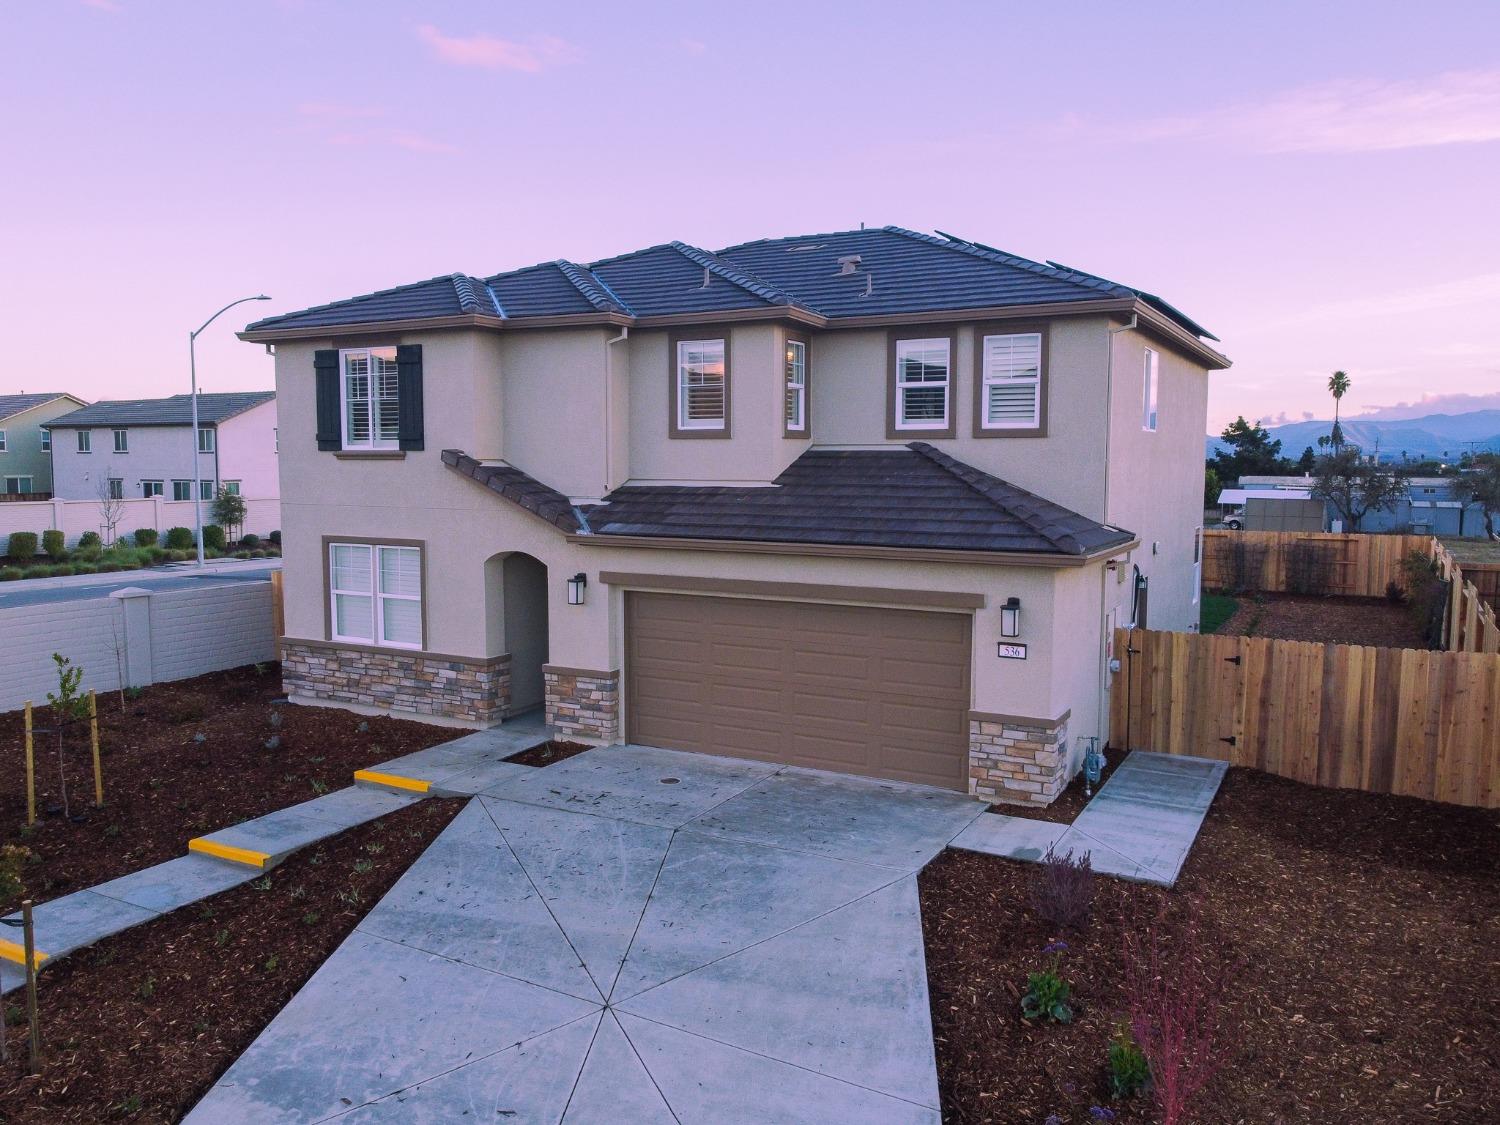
632, 935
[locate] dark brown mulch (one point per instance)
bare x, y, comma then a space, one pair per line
1069, 802
1367, 928
1341, 621
139, 1026
161, 787
549, 753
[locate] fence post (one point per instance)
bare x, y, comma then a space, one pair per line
29, 951
30, 769
135, 636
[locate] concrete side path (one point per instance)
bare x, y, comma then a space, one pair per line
245, 851
1140, 826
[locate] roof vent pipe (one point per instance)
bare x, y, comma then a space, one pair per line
706, 277
848, 264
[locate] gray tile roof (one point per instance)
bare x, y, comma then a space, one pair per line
899, 272
914, 497
174, 411
11, 405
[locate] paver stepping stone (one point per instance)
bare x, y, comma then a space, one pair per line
845, 817
377, 1018
467, 898
709, 1083
528, 1083
844, 995
595, 875
614, 1087
715, 897
166, 886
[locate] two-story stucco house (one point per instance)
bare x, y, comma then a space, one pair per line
26, 442
144, 447
869, 502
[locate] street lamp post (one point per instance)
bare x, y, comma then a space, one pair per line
197, 439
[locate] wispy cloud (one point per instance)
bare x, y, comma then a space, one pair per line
339, 123
1350, 115
493, 53
102, 5
1457, 402
1460, 292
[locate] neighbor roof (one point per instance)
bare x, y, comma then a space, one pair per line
915, 497
11, 405
174, 411
898, 272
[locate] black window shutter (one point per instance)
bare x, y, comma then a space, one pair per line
409, 405
326, 372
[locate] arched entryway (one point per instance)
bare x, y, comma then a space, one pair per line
516, 610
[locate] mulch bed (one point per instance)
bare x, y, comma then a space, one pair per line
549, 753
161, 787
1070, 801
1365, 928
139, 1026
1332, 620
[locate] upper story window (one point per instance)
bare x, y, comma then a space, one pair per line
2, 441
46, 440
1011, 391
232, 487
923, 383
1148, 391
205, 439
375, 594
369, 393
700, 387
85, 441
796, 387
122, 441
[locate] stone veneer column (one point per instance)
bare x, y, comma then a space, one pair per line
583, 704
470, 690
1015, 760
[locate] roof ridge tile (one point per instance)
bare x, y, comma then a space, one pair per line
734, 273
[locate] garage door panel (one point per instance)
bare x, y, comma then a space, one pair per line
851, 689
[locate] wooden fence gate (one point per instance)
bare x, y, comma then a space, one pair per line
1387, 720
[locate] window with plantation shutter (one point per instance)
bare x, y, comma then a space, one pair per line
1012, 381
702, 387
370, 393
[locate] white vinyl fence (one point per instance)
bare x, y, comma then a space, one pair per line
134, 637
75, 517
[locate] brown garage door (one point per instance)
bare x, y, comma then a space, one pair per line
883, 692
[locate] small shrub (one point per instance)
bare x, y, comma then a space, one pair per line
179, 538
257, 554
213, 537
242, 554
55, 544
22, 546
11, 573
1394, 593
61, 570
1046, 991
275, 537
145, 537
249, 541
13, 861
1062, 890
1129, 1073
109, 567
156, 554
38, 571
90, 539
177, 556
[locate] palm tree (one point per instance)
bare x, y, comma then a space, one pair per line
1338, 383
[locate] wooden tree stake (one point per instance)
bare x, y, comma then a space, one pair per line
94, 743
30, 770
31, 1016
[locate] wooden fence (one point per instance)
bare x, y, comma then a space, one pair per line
1469, 620
1405, 721
278, 610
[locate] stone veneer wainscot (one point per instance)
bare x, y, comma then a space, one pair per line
583, 703
466, 689
1016, 760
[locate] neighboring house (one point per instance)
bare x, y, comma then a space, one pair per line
26, 442
1429, 507
137, 448
870, 502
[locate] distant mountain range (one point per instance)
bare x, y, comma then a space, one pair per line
1434, 436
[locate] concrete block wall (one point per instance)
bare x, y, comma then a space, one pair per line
74, 517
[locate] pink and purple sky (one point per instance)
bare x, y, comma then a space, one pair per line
1315, 182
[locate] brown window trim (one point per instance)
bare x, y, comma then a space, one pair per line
706, 332
1011, 328
920, 332
328, 541
805, 339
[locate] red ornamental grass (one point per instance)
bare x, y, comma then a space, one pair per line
1176, 985
1062, 891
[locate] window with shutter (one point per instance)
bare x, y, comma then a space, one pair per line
1012, 381
369, 398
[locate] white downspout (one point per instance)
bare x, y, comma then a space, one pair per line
609, 386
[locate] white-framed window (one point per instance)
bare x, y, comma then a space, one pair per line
46, 440
923, 370
796, 385
205, 439
1012, 391
1197, 564
206, 489
368, 396
150, 488
701, 385
375, 594
2, 441
182, 490
116, 488
85, 441
1148, 391
122, 441
17, 485
232, 487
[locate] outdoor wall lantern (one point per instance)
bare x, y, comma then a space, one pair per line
1010, 618
576, 586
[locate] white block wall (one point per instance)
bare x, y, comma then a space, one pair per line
197, 631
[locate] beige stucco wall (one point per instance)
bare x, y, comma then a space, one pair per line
552, 389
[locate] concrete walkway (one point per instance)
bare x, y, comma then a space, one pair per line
1139, 826
245, 851
631, 935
